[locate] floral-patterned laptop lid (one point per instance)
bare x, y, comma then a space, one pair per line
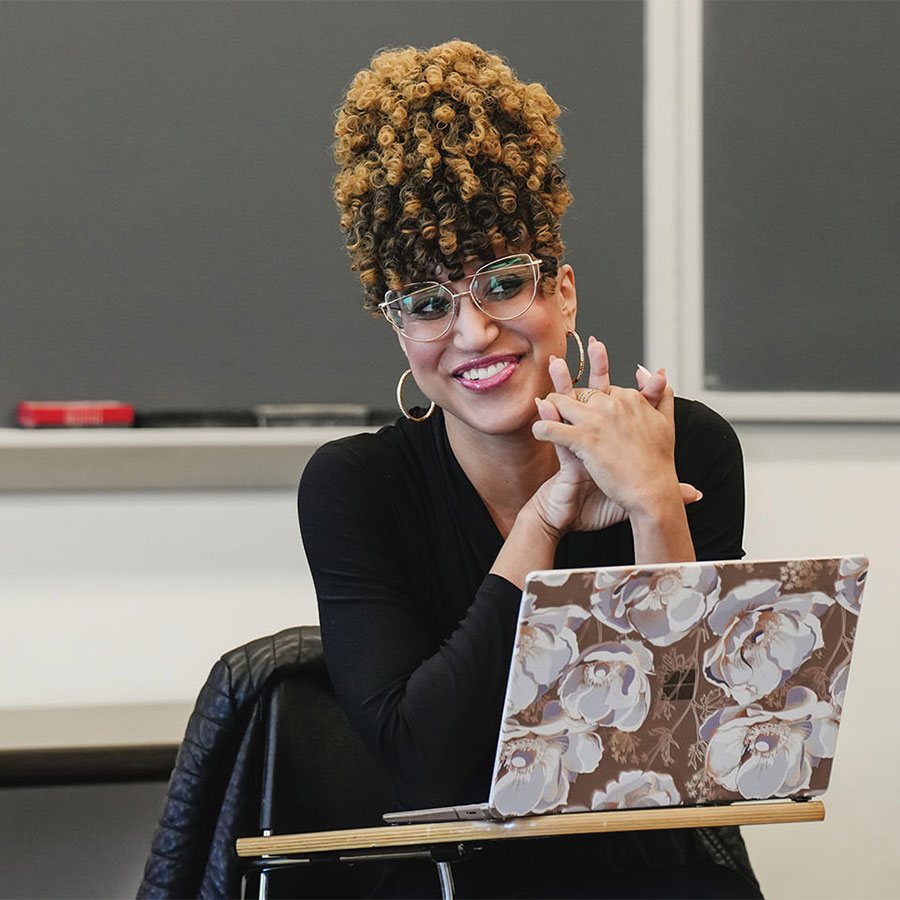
676, 684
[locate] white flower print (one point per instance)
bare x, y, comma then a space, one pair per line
539, 770
765, 638
551, 577
545, 646
637, 790
849, 583
838, 687
759, 753
662, 607
609, 685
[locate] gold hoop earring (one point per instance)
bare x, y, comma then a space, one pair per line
403, 409
580, 355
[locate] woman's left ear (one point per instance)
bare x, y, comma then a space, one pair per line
565, 290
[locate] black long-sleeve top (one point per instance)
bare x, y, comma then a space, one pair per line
417, 635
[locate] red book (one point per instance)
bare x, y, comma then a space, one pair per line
74, 414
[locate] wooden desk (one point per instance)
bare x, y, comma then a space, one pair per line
749, 813
430, 841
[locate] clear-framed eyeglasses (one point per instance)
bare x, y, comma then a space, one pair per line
502, 289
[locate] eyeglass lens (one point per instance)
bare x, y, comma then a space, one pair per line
502, 289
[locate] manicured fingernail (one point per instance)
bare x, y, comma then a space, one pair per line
592, 340
552, 357
645, 370
699, 495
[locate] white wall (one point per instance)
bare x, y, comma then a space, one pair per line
117, 597
818, 490
131, 597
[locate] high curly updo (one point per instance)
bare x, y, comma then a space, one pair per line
444, 157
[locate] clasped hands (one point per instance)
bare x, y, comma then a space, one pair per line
616, 449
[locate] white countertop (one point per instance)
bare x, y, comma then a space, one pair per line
64, 459
71, 727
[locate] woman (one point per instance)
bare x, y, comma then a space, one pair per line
419, 537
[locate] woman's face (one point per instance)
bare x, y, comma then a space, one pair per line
486, 373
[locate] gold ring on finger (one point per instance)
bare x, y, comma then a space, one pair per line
585, 395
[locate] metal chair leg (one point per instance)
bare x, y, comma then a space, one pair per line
264, 874
445, 873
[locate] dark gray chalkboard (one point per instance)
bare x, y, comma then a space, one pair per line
167, 231
802, 195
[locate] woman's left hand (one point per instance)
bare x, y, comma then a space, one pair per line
622, 440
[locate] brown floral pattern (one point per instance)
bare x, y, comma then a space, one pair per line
697, 683
662, 607
849, 584
765, 636
545, 647
538, 770
609, 686
637, 790
759, 753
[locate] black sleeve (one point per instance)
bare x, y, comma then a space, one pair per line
429, 714
708, 456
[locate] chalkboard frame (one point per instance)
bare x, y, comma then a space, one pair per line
674, 333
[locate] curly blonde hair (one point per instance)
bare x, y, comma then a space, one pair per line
444, 157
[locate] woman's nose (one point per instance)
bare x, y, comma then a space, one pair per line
472, 330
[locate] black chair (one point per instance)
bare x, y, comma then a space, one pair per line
317, 776
268, 749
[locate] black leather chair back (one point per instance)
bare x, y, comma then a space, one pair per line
317, 776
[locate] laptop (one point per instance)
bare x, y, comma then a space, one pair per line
674, 684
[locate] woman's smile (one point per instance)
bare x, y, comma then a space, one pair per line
487, 372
